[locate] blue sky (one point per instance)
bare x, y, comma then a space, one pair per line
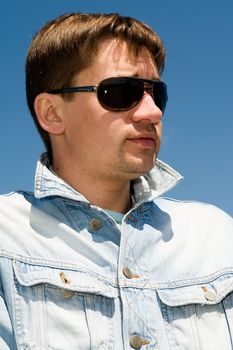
198, 123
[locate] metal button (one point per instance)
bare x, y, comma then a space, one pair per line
136, 342
209, 294
95, 224
67, 294
128, 273
64, 278
130, 217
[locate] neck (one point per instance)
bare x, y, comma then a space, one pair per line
105, 192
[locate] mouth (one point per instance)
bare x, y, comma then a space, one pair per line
144, 141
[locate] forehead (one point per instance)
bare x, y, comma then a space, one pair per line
116, 52
116, 47
118, 58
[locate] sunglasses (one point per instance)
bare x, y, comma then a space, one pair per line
123, 93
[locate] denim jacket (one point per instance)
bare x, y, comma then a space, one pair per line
72, 279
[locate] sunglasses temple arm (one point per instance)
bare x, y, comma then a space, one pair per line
91, 88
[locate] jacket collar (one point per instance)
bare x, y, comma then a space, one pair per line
149, 186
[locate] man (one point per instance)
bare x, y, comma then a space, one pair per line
94, 258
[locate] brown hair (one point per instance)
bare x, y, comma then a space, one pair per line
67, 45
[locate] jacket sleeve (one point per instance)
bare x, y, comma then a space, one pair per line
7, 338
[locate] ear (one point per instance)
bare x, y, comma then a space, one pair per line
48, 112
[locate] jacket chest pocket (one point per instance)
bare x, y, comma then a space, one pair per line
199, 317
60, 309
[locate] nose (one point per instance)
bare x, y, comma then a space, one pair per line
146, 110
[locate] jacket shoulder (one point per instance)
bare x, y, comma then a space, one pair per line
12, 200
195, 238
192, 208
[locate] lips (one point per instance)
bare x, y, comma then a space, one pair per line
144, 140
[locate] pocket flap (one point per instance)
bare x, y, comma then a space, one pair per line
31, 274
211, 292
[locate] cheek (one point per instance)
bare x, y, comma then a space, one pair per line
89, 124
159, 129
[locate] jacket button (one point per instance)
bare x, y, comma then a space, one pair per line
95, 224
130, 217
67, 294
64, 278
127, 273
209, 294
136, 342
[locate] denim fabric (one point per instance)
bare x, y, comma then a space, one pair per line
71, 279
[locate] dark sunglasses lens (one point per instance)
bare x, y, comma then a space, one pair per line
119, 94
160, 95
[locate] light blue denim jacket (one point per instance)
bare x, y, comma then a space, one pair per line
71, 279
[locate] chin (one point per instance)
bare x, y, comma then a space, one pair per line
144, 165
134, 167
136, 171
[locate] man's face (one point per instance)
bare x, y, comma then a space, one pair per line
115, 145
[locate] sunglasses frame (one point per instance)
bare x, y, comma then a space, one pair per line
148, 85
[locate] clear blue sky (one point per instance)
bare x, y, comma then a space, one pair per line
198, 124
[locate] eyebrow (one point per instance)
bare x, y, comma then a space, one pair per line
153, 78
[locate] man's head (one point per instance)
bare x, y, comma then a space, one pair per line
69, 44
